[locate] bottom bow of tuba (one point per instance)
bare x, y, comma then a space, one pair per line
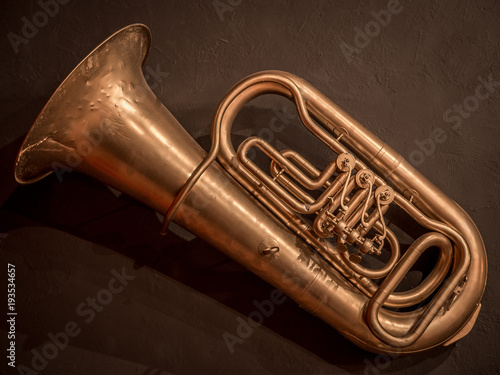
308, 232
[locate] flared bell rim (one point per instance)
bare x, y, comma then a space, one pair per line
27, 172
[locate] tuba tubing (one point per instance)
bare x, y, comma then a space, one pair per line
430, 207
105, 121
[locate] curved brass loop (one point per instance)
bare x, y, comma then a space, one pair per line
216, 135
412, 254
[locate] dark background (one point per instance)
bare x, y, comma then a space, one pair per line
66, 238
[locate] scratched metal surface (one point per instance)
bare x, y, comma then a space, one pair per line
427, 82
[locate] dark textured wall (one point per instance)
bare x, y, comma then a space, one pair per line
426, 81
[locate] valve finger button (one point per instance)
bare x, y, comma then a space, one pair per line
355, 258
342, 248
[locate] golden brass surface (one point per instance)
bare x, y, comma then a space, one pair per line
304, 230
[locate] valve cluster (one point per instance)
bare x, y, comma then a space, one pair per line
355, 209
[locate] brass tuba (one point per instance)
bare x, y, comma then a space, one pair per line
305, 231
